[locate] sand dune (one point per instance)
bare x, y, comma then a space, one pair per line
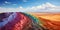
49, 16
49, 21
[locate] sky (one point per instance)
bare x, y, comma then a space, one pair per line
30, 5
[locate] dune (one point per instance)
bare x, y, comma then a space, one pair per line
50, 21
49, 16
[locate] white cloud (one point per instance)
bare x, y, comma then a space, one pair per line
7, 2
24, 0
44, 6
14, 4
47, 7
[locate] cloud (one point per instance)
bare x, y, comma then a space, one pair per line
44, 6
14, 4
24, 0
47, 7
7, 2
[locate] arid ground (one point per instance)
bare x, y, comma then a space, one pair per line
49, 16
50, 20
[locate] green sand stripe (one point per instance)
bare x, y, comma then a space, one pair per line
36, 22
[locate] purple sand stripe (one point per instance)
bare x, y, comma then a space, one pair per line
10, 18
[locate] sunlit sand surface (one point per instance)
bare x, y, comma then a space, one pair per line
49, 16
49, 20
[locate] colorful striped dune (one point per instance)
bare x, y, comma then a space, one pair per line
32, 21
